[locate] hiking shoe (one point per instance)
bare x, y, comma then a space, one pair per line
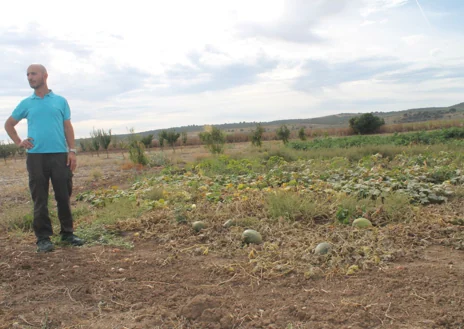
45, 245
72, 239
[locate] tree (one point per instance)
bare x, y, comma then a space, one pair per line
83, 145
147, 140
95, 141
137, 153
302, 134
366, 123
122, 145
283, 133
105, 139
257, 136
214, 140
136, 149
114, 142
184, 138
162, 136
4, 150
12, 150
171, 137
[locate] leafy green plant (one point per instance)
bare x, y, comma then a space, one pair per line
24, 223
147, 140
290, 206
184, 138
136, 149
302, 134
397, 208
83, 145
171, 138
371, 144
154, 194
366, 123
4, 150
137, 153
283, 134
159, 159
105, 139
257, 135
214, 140
95, 141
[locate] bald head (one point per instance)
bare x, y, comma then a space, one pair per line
38, 67
37, 76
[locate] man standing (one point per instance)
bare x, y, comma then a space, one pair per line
51, 155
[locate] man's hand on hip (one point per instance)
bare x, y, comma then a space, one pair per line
26, 143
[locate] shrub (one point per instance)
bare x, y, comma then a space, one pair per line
366, 123
137, 153
214, 140
283, 134
257, 136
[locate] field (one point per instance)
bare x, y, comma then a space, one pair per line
144, 266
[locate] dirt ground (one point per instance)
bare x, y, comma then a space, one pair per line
150, 287
102, 287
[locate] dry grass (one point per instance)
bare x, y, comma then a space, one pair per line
291, 225
289, 245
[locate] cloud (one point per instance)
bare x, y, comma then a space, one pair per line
419, 75
319, 74
296, 23
72, 66
242, 60
22, 47
101, 82
30, 38
376, 6
200, 76
412, 40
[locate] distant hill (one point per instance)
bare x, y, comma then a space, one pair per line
454, 112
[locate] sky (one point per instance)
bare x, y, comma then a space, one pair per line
160, 64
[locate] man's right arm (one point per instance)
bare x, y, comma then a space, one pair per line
11, 131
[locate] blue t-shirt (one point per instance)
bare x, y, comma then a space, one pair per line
45, 122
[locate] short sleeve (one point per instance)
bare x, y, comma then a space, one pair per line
66, 111
20, 112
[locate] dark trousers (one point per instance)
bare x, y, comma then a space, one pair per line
42, 168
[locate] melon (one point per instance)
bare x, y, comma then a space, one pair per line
362, 222
322, 248
251, 236
198, 226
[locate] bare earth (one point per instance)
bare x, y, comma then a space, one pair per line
152, 287
98, 287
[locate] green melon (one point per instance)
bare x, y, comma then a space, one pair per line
198, 226
251, 236
323, 248
362, 222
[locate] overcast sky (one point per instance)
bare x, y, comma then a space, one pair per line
160, 64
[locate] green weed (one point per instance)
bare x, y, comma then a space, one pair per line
291, 206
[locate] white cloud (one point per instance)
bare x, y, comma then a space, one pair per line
375, 6
161, 64
412, 40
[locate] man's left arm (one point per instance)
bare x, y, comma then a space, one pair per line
69, 133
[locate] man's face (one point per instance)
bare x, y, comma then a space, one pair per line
36, 77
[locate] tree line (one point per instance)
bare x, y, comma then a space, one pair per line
212, 137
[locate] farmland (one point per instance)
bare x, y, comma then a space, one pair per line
145, 267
